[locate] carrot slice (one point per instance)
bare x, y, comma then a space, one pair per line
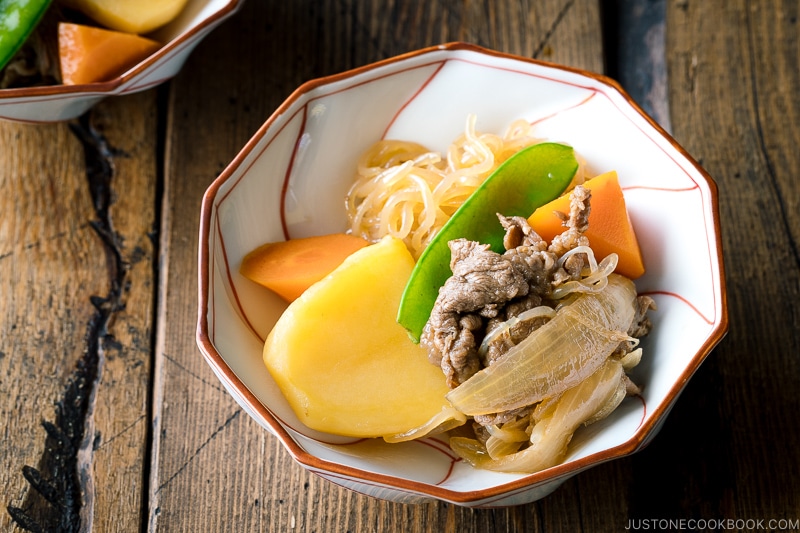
610, 229
290, 267
88, 54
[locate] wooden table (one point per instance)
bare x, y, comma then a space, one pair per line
114, 422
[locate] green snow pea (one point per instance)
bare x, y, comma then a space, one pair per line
528, 179
18, 19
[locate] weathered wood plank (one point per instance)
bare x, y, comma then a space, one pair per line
729, 449
122, 412
44, 234
634, 32
210, 455
76, 313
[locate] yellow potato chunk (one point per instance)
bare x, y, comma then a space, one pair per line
132, 16
341, 359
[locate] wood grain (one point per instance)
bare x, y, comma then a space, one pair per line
98, 269
730, 448
76, 264
210, 455
43, 318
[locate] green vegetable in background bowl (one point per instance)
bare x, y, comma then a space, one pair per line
18, 19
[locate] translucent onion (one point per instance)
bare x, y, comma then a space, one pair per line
444, 420
497, 448
631, 359
596, 278
508, 438
514, 431
555, 357
541, 311
612, 402
551, 435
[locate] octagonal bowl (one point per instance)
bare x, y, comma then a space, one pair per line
290, 181
54, 103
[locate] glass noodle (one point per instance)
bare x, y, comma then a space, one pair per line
405, 190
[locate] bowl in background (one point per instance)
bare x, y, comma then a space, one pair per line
53, 103
290, 181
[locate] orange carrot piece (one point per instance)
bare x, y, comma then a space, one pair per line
290, 267
88, 54
610, 229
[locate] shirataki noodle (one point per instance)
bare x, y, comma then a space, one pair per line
407, 191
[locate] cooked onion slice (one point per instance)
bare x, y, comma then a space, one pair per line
631, 359
555, 357
444, 420
594, 280
554, 428
541, 311
508, 438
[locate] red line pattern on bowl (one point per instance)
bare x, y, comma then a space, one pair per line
707, 320
231, 287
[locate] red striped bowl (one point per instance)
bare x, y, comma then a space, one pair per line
290, 181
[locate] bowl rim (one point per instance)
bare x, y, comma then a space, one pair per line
109, 86
557, 473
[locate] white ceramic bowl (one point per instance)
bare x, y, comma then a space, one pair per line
55, 103
290, 181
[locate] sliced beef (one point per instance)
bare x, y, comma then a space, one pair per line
487, 289
482, 281
641, 324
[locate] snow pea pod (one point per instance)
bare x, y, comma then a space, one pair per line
18, 19
530, 178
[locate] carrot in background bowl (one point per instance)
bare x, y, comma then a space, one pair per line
88, 54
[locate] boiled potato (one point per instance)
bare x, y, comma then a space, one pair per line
132, 16
341, 359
